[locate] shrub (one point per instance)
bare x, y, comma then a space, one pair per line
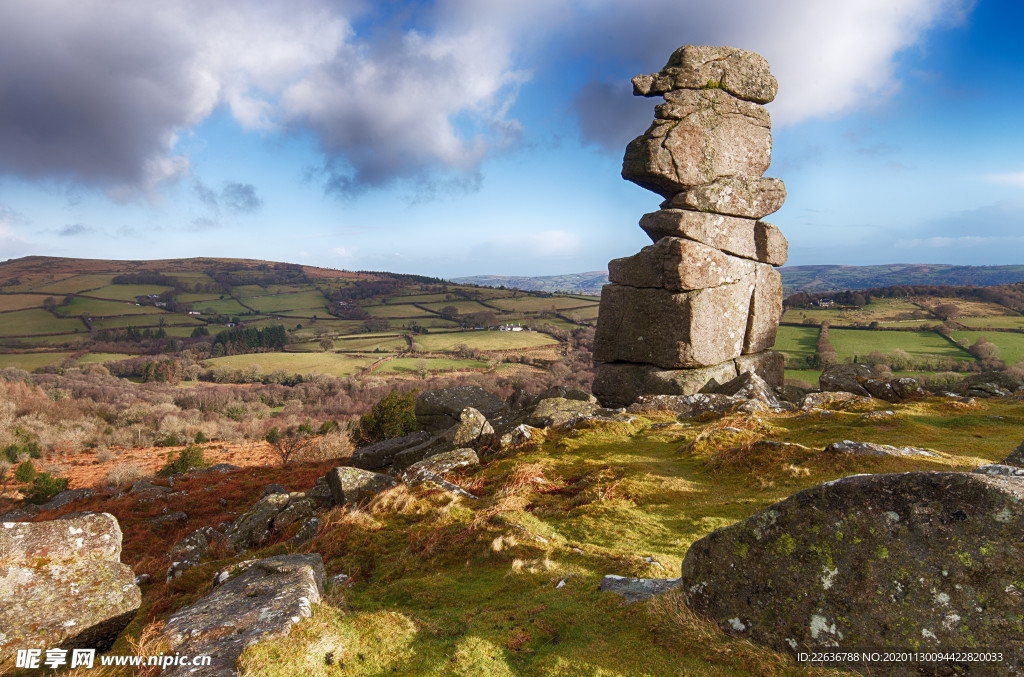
44, 487
169, 441
105, 456
200, 438
392, 416
188, 458
124, 473
26, 472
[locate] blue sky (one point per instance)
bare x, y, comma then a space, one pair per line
459, 138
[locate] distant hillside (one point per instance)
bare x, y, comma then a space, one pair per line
575, 283
794, 278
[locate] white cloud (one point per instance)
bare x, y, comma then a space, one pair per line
1012, 178
343, 252
545, 243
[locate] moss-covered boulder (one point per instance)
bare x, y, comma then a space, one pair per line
354, 485
920, 561
62, 584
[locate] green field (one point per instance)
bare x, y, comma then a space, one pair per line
587, 313
197, 298
809, 376
97, 308
145, 321
99, 358
796, 342
75, 284
220, 307
331, 364
36, 321
20, 302
996, 321
1011, 345
852, 342
412, 365
464, 307
485, 340
281, 302
127, 292
398, 310
538, 304
370, 344
31, 361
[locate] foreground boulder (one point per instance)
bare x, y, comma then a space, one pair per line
928, 561
62, 584
383, 453
439, 410
350, 486
256, 601
859, 379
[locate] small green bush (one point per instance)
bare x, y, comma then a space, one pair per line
200, 438
169, 441
188, 458
26, 472
392, 416
327, 427
274, 436
44, 487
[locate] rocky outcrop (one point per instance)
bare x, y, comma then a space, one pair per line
62, 584
860, 379
928, 561
351, 486
63, 499
253, 601
684, 310
383, 453
851, 448
439, 410
190, 551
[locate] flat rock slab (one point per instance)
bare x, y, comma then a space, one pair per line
637, 589
62, 584
440, 464
350, 486
382, 453
559, 411
746, 238
678, 264
744, 196
1000, 470
929, 561
438, 410
871, 449
741, 73
258, 601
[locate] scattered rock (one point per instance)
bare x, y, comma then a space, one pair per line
273, 489
1000, 470
687, 406
382, 454
557, 412
518, 436
471, 428
190, 551
63, 585
257, 601
311, 526
439, 410
638, 589
877, 416
351, 486
253, 527
341, 581
827, 400
169, 518
860, 379
921, 559
441, 464
749, 386
142, 579
870, 449
219, 468
1016, 456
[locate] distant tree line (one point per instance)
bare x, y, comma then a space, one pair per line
237, 340
1007, 295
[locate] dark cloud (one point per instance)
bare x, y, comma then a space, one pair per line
609, 116
74, 229
241, 198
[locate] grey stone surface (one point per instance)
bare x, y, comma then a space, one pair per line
1016, 456
672, 330
746, 238
741, 73
1000, 470
696, 138
871, 449
439, 410
62, 584
637, 589
472, 428
744, 196
382, 453
923, 560
687, 406
253, 527
351, 486
190, 551
678, 264
256, 601
442, 463
749, 386
518, 436
558, 412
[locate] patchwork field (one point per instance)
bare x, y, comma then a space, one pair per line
331, 364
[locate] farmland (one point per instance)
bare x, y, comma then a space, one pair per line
110, 310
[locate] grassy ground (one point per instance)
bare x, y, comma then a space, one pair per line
31, 361
398, 310
220, 307
1011, 345
75, 284
36, 321
20, 301
332, 364
414, 365
152, 320
796, 342
100, 308
127, 292
542, 303
313, 300
485, 340
851, 342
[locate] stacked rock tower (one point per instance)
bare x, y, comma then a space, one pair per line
704, 301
